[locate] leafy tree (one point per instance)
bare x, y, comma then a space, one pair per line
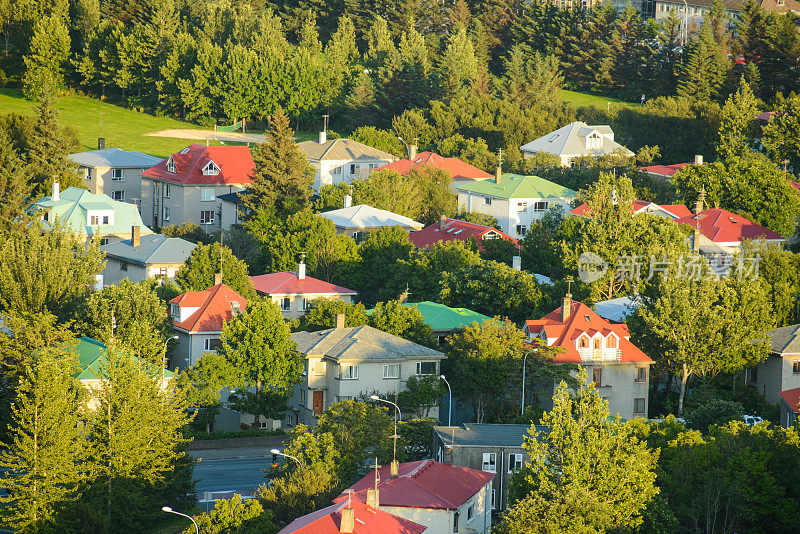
322, 314
781, 271
44, 64
380, 139
389, 190
201, 384
404, 321
190, 232
261, 353
558, 491
48, 152
781, 135
717, 412
499, 250
269, 403
235, 516
737, 123
15, 190
421, 395
331, 197
42, 459
380, 253
422, 272
197, 274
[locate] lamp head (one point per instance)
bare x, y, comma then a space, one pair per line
374, 397
275, 451
175, 337
442, 377
166, 509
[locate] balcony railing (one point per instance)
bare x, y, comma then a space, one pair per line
599, 355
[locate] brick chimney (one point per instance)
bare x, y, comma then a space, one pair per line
348, 520
136, 236
340, 320
217, 279
373, 498
566, 307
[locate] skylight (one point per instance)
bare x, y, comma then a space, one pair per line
553, 138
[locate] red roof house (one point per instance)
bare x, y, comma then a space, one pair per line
667, 211
455, 230
206, 165
354, 517
790, 406
668, 171
458, 170
727, 229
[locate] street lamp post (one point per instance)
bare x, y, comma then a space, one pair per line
164, 367
276, 451
524, 359
397, 416
190, 518
449, 401
408, 150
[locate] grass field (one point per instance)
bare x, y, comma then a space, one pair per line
585, 99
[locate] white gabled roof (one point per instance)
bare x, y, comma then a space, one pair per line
570, 140
364, 216
114, 157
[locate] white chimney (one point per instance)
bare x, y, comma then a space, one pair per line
348, 201
698, 159
98, 282
56, 191
516, 262
301, 270
323, 137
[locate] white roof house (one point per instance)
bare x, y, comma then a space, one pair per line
355, 220
576, 140
114, 157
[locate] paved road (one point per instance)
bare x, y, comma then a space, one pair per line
238, 475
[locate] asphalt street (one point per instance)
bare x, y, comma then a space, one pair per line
240, 475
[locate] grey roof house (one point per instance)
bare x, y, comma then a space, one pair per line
356, 221
576, 140
144, 256
341, 160
344, 363
781, 370
114, 172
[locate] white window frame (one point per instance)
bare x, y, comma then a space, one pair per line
522, 207
171, 165
352, 372
207, 343
487, 201
207, 194
387, 371
210, 169
354, 169
286, 304
305, 304
174, 310
489, 463
319, 368
515, 462
167, 191
117, 175
119, 195
166, 213
419, 369
204, 215
540, 206
470, 512
521, 229
337, 170
88, 175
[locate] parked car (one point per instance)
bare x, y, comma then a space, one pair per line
751, 420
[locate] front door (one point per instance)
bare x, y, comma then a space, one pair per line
318, 400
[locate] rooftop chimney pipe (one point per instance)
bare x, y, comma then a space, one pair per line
136, 236
56, 191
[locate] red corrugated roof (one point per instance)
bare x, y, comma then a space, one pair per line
664, 170
796, 185
215, 308
642, 206
368, 520
582, 320
722, 226
457, 169
455, 230
287, 283
234, 162
792, 398
423, 484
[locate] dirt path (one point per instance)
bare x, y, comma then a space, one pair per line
202, 135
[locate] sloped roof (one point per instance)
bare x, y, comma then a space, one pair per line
456, 230
342, 150
518, 186
364, 216
423, 484
234, 162
569, 140
457, 169
582, 319
214, 308
287, 283
92, 358
785, 340
360, 343
792, 398
617, 309
444, 318
484, 434
723, 227
114, 157
73, 206
664, 170
152, 249
368, 520
675, 211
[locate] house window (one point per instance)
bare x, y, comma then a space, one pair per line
118, 195
105, 219
94, 220
166, 213
540, 206
638, 407
514, 462
170, 165
166, 190
210, 169
88, 175
207, 194
597, 377
319, 368
487, 201
521, 229
286, 304
641, 374
611, 342
207, 217
371, 167
213, 344
336, 170
123, 265
489, 462
391, 370
796, 367
103, 241
348, 372
597, 344
426, 368
236, 308
494, 501
116, 175
162, 272
306, 304
470, 513
522, 206
353, 168
582, 343
174, 310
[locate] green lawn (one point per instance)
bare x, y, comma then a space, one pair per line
122, 128
586, 99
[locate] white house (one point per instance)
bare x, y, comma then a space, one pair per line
357, 221
514, 200
576, 140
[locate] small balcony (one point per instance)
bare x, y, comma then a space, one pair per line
599, 355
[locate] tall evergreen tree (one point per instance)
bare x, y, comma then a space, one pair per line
44, 64
669, 37
704, 71
458, 67
15, 190
48, 155
737, 129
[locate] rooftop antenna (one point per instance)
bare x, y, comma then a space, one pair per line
325, 123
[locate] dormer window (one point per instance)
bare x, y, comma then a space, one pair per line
236, 308
594, 140
611, 342
583, 342
210, 169
170, 165
175, 310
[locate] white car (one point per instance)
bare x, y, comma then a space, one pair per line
751, 420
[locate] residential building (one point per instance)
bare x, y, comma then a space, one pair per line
294, 291
114, 172
695, 11
790, 407
670, 212
89, 215
514, 200
142, 257
493, 448
619, 309
352, 516
445, 320
618, 368
343, 363
666, 172
231, 209
781, 370
358, 221
198, 318
576, 140
458, 170
184, 187
444, 498
718, 231
456, 230
341, 160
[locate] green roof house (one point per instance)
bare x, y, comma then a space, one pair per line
444, 320
89, 215
514, 200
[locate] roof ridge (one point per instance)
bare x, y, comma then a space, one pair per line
158, 246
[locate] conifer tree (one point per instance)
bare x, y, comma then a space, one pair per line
458, 66
49, 51
704, 71
282, 178
42, 459
15, 190
737, 127
197, 273
669, 37
48, 155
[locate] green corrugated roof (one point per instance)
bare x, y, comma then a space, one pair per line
443, 318
73, 206
92, 357
518, 186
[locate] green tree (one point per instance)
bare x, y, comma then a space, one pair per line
48, 153
404, 321
15, 190
235, 516
380, 254
322, 314
534, 80
380, 139
558, 491
283, 177
702, 76
201, 384
260, 351
422, 272
391, 191
717, 412
781, 135
458, 66
197, 274
421, 395
737, 123
42, 460
44, 64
